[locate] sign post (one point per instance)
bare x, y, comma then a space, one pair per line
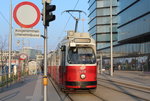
10, 39
26, 15
21, 58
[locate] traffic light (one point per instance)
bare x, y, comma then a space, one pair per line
47, 14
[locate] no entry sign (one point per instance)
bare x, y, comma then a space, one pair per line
26, 14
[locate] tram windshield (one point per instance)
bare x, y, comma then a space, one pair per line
81, 55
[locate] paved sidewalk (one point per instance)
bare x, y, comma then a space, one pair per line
130, 77
29, 90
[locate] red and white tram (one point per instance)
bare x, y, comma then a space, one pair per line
73, 64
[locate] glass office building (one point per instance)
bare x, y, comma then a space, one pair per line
132, 49
99, 15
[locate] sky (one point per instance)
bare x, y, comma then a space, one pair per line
56, 30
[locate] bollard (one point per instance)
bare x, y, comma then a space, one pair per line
45, 80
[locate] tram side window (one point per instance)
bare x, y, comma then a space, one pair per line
81, 55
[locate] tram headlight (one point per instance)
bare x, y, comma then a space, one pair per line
82, 76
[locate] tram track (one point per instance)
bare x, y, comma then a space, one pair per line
70, 95
58, 92
125, 87
128, 85
97, 96
75, 95
88, 93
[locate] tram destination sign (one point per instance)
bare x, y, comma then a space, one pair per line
27, 33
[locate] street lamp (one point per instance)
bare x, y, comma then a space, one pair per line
111, 40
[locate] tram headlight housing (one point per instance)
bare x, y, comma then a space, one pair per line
82, 76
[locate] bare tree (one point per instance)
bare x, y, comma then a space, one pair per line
3, 47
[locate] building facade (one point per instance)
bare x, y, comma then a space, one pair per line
132, 49
99, 24
30, 52
4, 57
